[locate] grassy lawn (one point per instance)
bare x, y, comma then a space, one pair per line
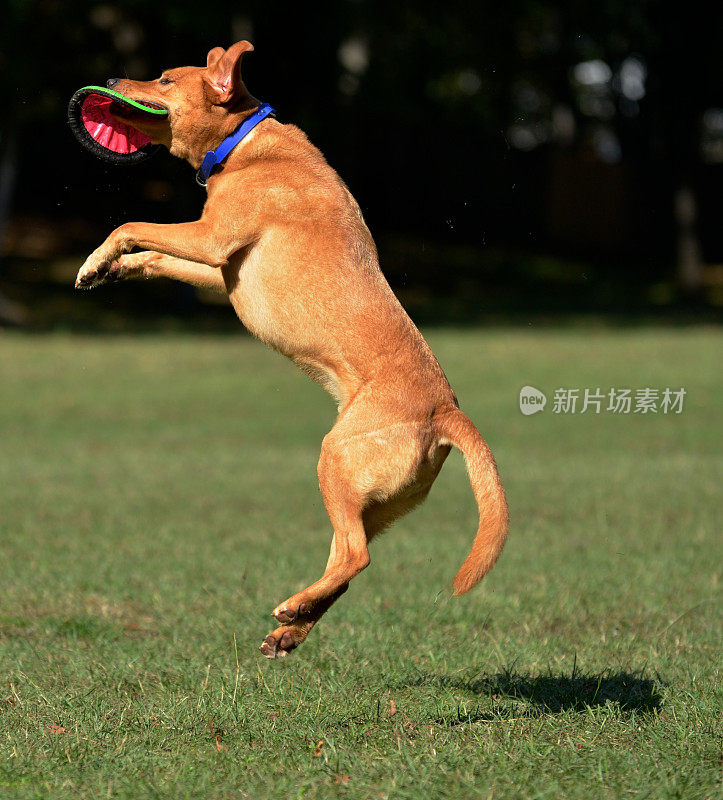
158, 498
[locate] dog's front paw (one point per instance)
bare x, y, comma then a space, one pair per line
93, 272
127, 267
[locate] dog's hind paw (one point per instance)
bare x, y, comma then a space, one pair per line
278, 644
286, 612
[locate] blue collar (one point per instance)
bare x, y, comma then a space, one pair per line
214, 157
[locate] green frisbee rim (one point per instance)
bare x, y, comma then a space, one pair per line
159, 112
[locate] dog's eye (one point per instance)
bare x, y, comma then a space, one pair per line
164, 81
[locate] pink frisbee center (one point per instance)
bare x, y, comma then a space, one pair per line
111, 133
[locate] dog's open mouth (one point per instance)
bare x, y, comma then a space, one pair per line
133, 111
103, 121
108, 121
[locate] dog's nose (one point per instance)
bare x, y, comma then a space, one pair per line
111, 82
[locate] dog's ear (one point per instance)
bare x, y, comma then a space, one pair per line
223, 73
214, 55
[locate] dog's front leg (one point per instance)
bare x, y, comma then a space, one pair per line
191, 241
148, 264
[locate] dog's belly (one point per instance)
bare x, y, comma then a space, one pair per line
340, 322
264, 299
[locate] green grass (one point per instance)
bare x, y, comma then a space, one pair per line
158, 497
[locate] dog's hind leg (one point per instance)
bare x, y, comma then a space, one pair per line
348, 557
367, 481
344, 500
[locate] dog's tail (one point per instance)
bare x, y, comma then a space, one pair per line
457, 429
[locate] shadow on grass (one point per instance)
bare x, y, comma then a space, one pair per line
536, 695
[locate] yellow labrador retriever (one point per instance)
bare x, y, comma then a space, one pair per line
281, 235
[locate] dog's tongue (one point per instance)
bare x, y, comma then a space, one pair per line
111, 133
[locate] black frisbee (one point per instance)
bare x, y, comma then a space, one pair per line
90, 115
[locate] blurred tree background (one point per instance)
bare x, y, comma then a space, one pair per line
510, 158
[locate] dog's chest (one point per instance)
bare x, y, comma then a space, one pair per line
261, 297
246, 290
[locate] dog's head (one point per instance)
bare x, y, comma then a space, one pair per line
204, 103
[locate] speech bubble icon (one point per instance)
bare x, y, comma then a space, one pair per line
531, 400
